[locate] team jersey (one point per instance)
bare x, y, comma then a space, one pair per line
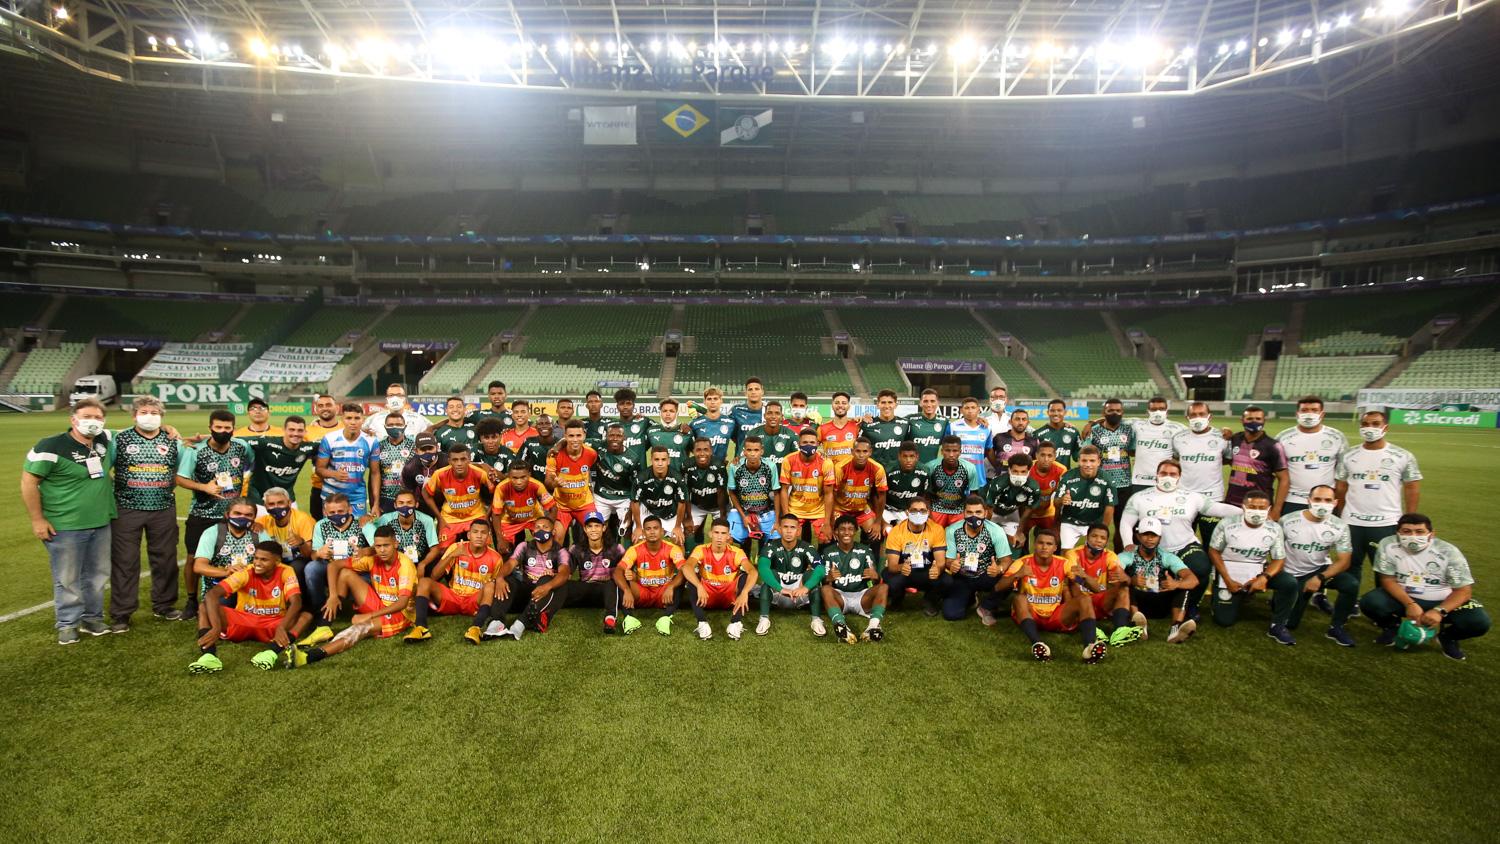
806, 480
415, 423
854, 487
392, 582
353, 457
515, 438
298, 524
519, 506
277, 464
948, 489
837, 441
346, 541
537, 565
534, 453
1427, 575
659, 496
393, 457
461, 498
1045, 587
229, 471
974, 440
719, 433
574, 474
1005, 444
649, 568
1137, 562
789, 568
1177, 510
595, 566
614, 476
499, 461
1008, 500
1046, 483
447, 434
776, 447
704, 486
975, 553
916, 547
593, 429
1064, 439
928, 435
1375, 477
1153, 444
1096, 566
1114, 451
1252, 465
746, 420
719, 571
845, 570
1090, 498
678, 445
1202, 457
245, 432
635, 439
1311, 459
1310, 544
414, 541
265, 597
1247, 550
474, 417
233, 551
145, 470
903, 486
887, 437
755, 488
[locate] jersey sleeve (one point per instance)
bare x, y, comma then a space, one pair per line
1383, 562
1220, 539
880, 480
236, 581
1410, 471
187, 460
1278, 454
362, 562
1457, 572
1278, 543
39, 462
289, 584
1171, 562
206, 543
369, 529
543, 497
1341, 467
432, 481
1342, 543
429, 529
406, 578
318, 541
324, 450
997, 536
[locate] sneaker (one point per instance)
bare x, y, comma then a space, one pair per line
1094, 651
986, 617
874, 633
67, 635
1321, 603
120, 626
496, 629
1126, 635
763, 626
609, 624
1138, 618
517, 627
95, 627
531, 618
1182, 632
265, 660
171, 615
1337, 634
205, 664
473, 635
1041, 653
664, 625
703, 630
1387, 636
1451, 649
842, 632
318, 636
631, 625
296, 657
417, 634
1281, 634
1099, 635
818, 627
929, 610
735, 630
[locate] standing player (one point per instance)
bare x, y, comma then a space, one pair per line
1201, 452
789, 577
721, 578
1115, 441
707, 491
537, 449
1083, 499
279, 459
678, 445
1017, 439
614, 479
326, 421
1377, 482
218, 472
950, 480
776, 439
492, 456
633, 428
886, 432
471, 568
974, 438
496, 411
453, 430
260, 420
807, 479
916, 558
1159, 582
852, 584
1249, 554
754, 488
836, 436
1048, 598
1256, 462
570, 473
749, 416
714, 426
267, 608
1312, 451
1098, 573
927, 427
1013, 496
1177, 511
1425, 580
595, 559
1046, 473
1317, 555
799, 416
1064, 437
459, 493
859, 489
647, 577
661, 494
381, 607
394, 450
977, 555
519, 503
521, 429
594, 425
906, 484
565, 412
349, 463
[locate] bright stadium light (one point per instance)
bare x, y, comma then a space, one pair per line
655, 46
1241, 46
60, 14
258, 48
1223, 49
1344, 20
151, 41
1394, 8
1284, 37
171, 42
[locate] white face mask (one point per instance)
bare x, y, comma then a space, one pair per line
148, 422
395, 402
89, 427
1415, 544
1309, 420
1371, 435
799, 412
1255, 518
1018, 480
1156, 417
917, 519
997, 405
1166, 483
1320, 510
1199, 424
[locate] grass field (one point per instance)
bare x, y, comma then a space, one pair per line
943, 732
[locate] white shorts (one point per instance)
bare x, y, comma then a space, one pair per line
619, 508
893, 517
1071, 535
699, 515
667, 525
782, 601
853, 602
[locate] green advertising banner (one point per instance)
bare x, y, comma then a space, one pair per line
1446, 418
232, 395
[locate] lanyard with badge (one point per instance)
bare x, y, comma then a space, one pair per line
94, 465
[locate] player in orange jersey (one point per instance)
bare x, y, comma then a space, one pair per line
648, 576
570, 475
1048, 598
1099, 574
859, 488
721, 577
518, 503
807, 479
382, 607
837, 435
1047, 473
267, 608
464, 491
472, 567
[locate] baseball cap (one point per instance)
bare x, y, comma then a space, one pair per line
1149, 525
595, 516
257, 401
426, 439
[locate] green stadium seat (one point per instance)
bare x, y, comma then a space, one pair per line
1452, 369
886, 335
569, 349
1074, 351
780, 345
43, 370
87, 317
1333, 378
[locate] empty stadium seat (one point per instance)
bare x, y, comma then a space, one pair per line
1333, 378
87, 317
570, 348
1075, 352
43, 370
887, 334
781, 345
1452, 369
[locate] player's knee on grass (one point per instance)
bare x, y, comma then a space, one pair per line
1467, 623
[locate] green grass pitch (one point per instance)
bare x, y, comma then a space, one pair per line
944, 732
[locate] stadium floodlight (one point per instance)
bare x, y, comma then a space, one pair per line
258, 48
655, 46
560, 45
871, 47
1344, 20
223, 46
1284, 37
151, 42
187, 44
1394, 8
171, 42
1241, 46
1324, 27
593, 46
1262, 42
1223, 49
61, 14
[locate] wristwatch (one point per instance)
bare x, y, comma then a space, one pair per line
1441, 611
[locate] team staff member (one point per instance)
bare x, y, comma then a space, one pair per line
1256, 462
1317, 554
1425, 580
1116, 443
349, 463
536, 577
1154, 437
1008, 442
997, 418
977, 555
336, 536
412, 422
226, 547
426, 460
916, 557
807, 479
1064, 437
145, 467
1201, 452
218, 471
279, 459
1313, 451
1249, 554
1377, 482
1177, 511
416, 533
66, 488
260, 420
326, 421
290, 529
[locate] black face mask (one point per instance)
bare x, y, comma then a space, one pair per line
222, 437
1113, 418
426, 458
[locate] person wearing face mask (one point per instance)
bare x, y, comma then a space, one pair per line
394, 449
535, 577
1177, 511
416, 532
336, 536
1159, 583
217, 471
68, 495
807, 479
1115, 441
225, 548
1013, 497
1256, 462
996, 416
1317, 554
279, 460
1426, 581
426, 460
1154, 438
292, 529
1017, 439
916, 557
1249, 554
1201, 451
145, 465
977, 555
1377, 481
1313, 451
396, 403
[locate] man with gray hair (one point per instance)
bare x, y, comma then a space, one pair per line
145, 496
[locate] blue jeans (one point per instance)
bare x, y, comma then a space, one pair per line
315, 587
963, 588
80, 568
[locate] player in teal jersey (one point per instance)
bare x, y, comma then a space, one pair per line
1116, 443
753, 487
950, 480
1064, 437
885, 432
927, 427
852, 584
790, 574
394, 450
669, 437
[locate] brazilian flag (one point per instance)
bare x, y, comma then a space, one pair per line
685, 123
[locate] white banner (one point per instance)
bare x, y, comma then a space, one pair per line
305, 353
181, 370
1430, 399
201, 350
609, 126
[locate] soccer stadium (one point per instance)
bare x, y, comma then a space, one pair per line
1098, 398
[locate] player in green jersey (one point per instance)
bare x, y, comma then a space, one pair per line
852, 583
790, 573
885, 432
927, 427
454, 428
667, 436
495, 411
1083, 498
1064, 437
908, 482
279, 458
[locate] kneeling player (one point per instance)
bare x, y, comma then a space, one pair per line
380, 606
1047, 599
1107, 586
852, 584
472, 567
268, 608
648, 576
789, 577
1160, 582
722, 577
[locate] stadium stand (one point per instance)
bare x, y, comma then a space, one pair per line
470, 328
1073, 351
22, 309
781, 345
1333, 378
1452, 368
330, 323
43, 369
258, 322
570, 349
1378, 323
87, 317
1242, 377
1210, 333
703, 213
886, 335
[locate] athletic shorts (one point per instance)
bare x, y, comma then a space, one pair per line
892, 517
719, 597
617, 507
650, 597
782, 601
1071, 535
1051, 623
451, 603
853, 602
700, 516
241, 626
943, 520
511, 531
568, 517
766, 520
1050, 523
1104, 603
865, 519
817, 525
453, 530
391, 623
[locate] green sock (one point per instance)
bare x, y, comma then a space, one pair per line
765, 600
878, 612
817, 603
835, 615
